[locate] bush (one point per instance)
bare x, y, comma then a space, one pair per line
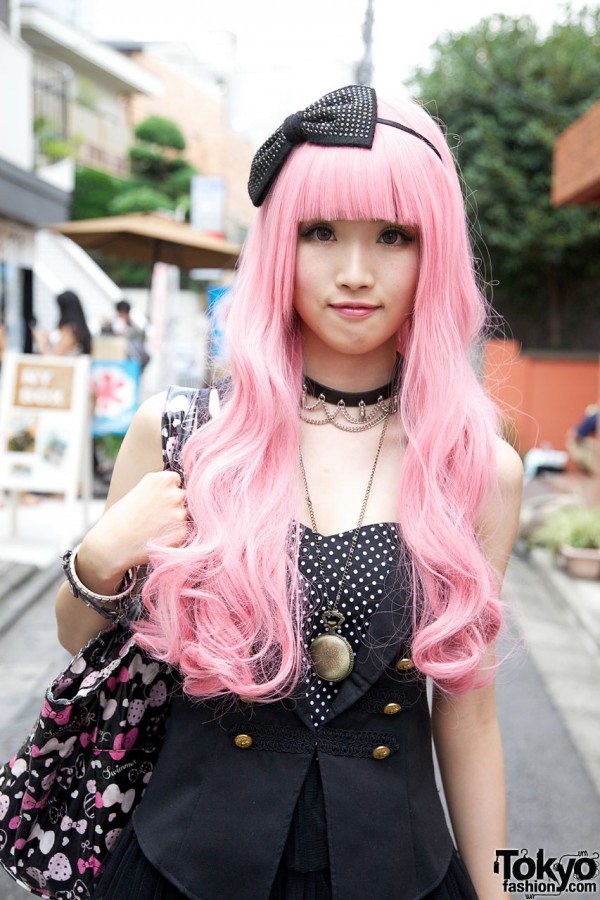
140, 199
146, 160
178, 184
156, 130
178, 163
94, 193
51, 141
574, 526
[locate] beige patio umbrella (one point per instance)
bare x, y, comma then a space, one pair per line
150, 238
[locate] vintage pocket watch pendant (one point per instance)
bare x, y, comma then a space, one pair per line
331, 655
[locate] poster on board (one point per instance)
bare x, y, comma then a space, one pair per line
116, 386
44, 415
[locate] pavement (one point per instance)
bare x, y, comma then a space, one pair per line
34, 534
547, 689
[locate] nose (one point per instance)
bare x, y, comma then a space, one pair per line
355, 269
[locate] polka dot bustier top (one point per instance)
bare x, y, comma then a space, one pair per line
377, 550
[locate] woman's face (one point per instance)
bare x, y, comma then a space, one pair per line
354, 286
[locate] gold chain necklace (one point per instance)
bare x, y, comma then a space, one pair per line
331, 655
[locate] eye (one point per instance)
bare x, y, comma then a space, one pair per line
396, 236
321, 233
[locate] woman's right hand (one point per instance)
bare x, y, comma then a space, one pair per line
144, 504
153, 510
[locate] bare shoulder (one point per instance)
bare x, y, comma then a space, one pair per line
498, 519
509, 469
144, 430
141, 450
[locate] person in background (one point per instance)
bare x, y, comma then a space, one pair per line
581, 441
72, 336
134, 333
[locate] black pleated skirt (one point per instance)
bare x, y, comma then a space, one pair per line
130, 876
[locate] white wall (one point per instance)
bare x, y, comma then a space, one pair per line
16, 116
62, 265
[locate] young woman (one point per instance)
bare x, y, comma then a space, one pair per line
345, 523
72, 336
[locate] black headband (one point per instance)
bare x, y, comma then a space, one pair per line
343, 118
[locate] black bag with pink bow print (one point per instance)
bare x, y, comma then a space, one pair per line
68, 792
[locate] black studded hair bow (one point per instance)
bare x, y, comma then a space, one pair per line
343, 118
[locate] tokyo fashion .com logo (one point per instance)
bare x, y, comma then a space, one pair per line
571, 873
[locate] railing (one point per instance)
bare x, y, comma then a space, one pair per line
50, 108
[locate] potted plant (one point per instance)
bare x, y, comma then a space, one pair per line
574, 534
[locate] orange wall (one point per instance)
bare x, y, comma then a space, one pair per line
576, 161
543, 395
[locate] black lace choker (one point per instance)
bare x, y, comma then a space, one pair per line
366, 398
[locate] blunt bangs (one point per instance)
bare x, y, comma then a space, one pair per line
393, 181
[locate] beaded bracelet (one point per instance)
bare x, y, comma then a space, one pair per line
109, 607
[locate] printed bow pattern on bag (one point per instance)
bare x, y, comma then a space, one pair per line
67, 793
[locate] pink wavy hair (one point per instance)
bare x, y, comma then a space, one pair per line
226, 607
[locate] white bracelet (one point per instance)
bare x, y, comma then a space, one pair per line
109, 606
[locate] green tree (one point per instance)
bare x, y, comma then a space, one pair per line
160, 179
160, 176
508, 92
94, 193
140, 198
164, 132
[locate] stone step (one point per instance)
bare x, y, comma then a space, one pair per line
27, 589
12, 576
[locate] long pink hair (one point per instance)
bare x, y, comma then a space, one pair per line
226, 607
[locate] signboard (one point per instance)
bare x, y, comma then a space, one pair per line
116, 388
207, 204
217, 304
44, 403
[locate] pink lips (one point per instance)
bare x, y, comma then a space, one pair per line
354, 310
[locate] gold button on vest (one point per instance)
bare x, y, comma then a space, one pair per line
390, 709
243, 741
404, 665
381, 752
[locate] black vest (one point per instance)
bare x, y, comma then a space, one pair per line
216, 815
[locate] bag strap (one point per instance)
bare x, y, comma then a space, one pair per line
185, 409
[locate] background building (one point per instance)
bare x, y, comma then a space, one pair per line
27, 201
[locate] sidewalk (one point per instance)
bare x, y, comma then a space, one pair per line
561, 624
558, 618
30, 557
580, 597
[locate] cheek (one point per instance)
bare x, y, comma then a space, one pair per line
412, 274
305, 282
408, 279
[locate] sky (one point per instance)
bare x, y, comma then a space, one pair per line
290, 52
